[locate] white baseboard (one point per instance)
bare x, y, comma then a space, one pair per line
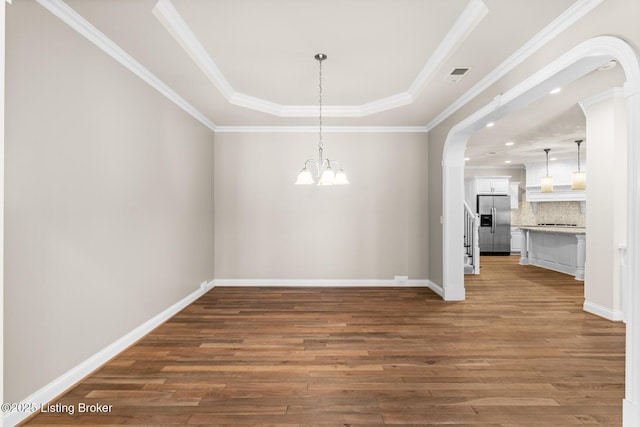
630, 414
443, 294
436, 288
70, 378
336, 283
598, 310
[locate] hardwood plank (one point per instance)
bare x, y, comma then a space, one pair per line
519, 352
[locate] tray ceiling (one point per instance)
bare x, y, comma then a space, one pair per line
235, 64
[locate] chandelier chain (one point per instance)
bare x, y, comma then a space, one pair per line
320, 105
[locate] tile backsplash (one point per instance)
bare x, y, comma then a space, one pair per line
549, 213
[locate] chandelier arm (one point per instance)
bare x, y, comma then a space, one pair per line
335, 162
314, 163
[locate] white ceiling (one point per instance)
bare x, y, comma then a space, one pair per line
555, 122
240, 63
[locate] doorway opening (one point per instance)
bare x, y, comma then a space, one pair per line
579, 61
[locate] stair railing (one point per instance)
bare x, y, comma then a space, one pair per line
472, 237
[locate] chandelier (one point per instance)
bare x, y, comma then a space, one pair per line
323, 167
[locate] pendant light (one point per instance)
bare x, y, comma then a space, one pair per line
578, 178
547, 181
324, 171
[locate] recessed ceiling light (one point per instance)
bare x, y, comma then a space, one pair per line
509, 144
490, 124
608, 65
507, 161
556, 90
466, 159
553, 159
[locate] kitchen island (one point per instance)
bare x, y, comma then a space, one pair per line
557, 248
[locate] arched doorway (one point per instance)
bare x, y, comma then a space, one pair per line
582, 59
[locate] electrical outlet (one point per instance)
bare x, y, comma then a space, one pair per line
206, 286
401, 280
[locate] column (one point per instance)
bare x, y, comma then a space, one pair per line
581, 255
524, 247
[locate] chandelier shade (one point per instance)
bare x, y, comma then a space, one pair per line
304, 177
328, 177
324, 173
341, 178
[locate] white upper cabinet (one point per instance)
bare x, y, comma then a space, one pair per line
481, 185
514, 193
561, 171
492, 185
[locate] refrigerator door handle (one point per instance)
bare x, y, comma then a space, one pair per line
493, 220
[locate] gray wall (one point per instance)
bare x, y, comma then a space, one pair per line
109, 201
269, 228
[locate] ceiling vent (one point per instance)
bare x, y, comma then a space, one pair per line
457, 74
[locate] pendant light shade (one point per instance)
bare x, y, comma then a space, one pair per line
578, 178
325, 175
546, 185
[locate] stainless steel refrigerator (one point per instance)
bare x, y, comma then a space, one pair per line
495, 225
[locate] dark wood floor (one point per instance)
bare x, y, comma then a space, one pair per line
519, 352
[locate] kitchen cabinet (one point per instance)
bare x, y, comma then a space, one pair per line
483, 185
493, 186
514, 193
516, 240
561, 171
560, 249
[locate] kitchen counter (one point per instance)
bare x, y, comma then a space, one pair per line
557, 248
553, 229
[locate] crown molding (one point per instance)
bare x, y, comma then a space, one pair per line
472, 15
557, 26
327, 129
170, 18
91, 33
616, 92
172, 21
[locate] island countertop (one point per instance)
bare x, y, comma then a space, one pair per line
553, 229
